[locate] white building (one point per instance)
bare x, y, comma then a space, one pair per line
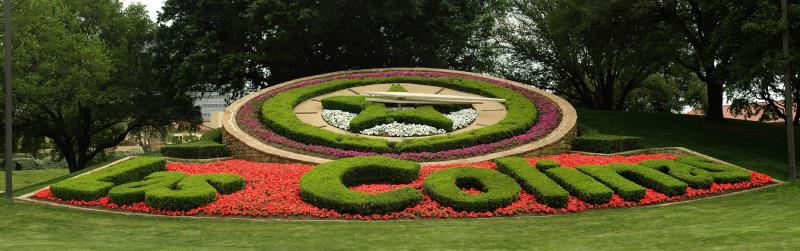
211, 105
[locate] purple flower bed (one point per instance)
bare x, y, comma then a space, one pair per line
248, 119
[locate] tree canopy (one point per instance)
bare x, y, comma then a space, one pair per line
86, 78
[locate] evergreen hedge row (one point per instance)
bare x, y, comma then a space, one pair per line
278, 115
695, 177
194, 191
535, 182
196, 150
497, 189
97, 184
722, 173
327, 185
130, 193
580, 185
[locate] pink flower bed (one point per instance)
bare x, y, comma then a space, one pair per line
549, 118
272, 190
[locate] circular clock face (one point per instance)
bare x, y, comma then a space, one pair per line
395, 119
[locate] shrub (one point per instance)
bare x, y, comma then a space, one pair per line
214, 135
195, 150
608, 175
354, 104
580, 185
194, 191
722, 173
327, 185
278, 115
602, 143
546, 164
535, 182
497, 189
397, 88
694, 176
130, 193
651, 178
97, 184
378, 114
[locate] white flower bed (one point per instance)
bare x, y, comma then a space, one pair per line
341, 119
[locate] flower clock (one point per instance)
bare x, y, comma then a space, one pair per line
378, 188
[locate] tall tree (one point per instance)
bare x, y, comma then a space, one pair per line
593, 52
87, 77
714, 43
760, 88
241, 45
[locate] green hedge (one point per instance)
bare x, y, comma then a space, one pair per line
694, 176
130, 193
354, 104
194, 191
397, 88
214, 135
497, 190
580, 185
97, 184
196, 150
601, 143
535, 182
651, 178
608, 175
327, 185
278, 115
722, 173
546, 164
378, 114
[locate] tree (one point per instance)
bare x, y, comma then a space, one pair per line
760, 90
86, 77
592, 52
240, 45
713, 41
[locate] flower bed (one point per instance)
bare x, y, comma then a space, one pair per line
549, 117
272, 190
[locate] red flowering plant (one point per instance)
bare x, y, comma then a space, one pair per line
273, 190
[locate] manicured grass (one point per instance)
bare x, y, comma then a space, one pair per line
31, 177
758, 220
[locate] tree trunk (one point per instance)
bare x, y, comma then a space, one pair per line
714, 109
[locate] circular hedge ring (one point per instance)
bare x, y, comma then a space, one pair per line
497, 189
327, 185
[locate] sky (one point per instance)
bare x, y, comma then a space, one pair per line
153, 6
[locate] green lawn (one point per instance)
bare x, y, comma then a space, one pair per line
28, 178
764, 219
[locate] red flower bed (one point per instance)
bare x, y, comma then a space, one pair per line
272, 191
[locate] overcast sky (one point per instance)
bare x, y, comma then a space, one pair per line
153, 6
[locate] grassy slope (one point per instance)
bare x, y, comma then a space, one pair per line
31, 177
766, 219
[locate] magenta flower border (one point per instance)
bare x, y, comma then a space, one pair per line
549, 118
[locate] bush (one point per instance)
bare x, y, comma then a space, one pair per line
327, 185
722, 173
354, 104
535, 182
695, 177
397, 88
601, 143
546, 164
378, 114
196, 150
278, 115
497, 189
130, 193
194, 191
97, 184
214, 135
580, 185
651, 178
608, 175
